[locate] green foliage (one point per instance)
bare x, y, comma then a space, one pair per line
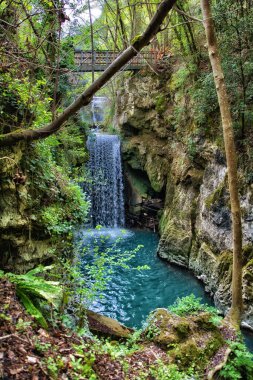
215, 196
191, 305
83, 366
30, 287
41, 347
191, 147
53, 368
31, 308
160, 104
116, 349
161, 371
239, 364
205, 100
181, 76
233, 27
83, 284
22, 325
59, 219
152, 330
55, 200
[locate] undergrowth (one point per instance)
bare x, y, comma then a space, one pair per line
239, 365
191, 305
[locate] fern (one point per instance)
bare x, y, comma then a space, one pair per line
240, 363
30, 287
32, 309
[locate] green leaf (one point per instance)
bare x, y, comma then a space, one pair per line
31, 309
29, 284
49, 290
39, 269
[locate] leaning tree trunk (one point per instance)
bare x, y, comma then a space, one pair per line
229, 141
85, 98
92, 43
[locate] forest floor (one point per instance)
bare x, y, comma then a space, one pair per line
112, 352
28, 351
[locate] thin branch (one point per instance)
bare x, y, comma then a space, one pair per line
187, 15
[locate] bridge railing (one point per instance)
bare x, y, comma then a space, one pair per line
102, 59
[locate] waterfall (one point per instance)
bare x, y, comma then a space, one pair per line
98, 106
106, 187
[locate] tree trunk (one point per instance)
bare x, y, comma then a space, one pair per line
228, 135
92, 43
85, 98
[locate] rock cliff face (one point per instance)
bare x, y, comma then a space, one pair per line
168, 156
23, 240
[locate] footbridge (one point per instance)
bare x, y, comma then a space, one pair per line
88, 61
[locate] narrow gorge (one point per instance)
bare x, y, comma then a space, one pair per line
126, 172
169, 157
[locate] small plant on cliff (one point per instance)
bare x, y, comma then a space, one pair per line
191, 305
239, 364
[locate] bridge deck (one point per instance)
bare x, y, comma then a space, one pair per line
102, 59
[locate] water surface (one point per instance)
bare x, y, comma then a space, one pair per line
132, 294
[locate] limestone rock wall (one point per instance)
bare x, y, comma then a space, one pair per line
187, 169
23, 242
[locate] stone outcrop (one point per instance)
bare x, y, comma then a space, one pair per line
186, 168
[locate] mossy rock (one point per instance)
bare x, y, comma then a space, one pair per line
103, 325
215, 195
225, 261
197, 350
160, 327
185, 354
182, 329
247, 253
161, 104
203, 321
191, 340
248, 271
167, 328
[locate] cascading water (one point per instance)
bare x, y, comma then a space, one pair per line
129, 296
106, 188
98, 106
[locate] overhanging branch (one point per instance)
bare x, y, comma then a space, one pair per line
85, 98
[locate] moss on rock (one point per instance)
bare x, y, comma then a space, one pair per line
191, 340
